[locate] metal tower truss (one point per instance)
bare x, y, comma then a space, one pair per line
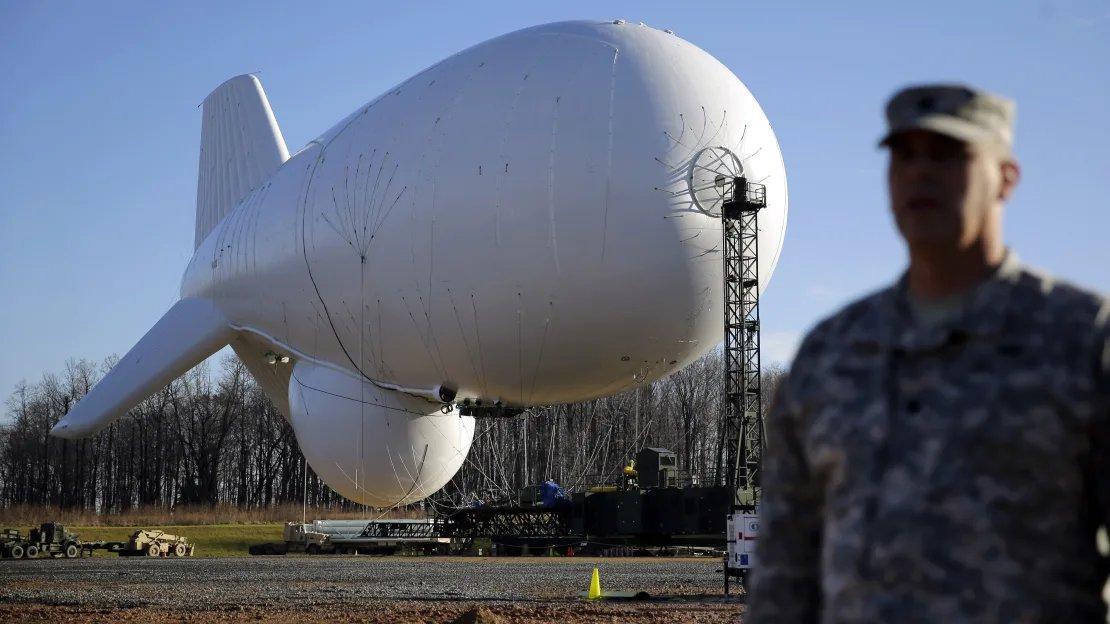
406, 530
519, 522
743, 417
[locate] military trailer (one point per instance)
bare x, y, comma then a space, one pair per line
12, 544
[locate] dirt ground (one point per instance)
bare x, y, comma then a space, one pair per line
361, 589
387, 612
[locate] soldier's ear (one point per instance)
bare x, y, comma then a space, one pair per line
1011, 174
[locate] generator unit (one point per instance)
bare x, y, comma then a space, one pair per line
657, 467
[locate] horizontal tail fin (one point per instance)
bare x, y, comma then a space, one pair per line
240, 146
190, 331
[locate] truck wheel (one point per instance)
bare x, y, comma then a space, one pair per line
154, 551
312, 549
179, 550
32, 551
71, 551
17, 551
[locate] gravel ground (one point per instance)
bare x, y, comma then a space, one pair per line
369, 589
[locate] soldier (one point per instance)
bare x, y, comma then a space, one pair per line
940, 451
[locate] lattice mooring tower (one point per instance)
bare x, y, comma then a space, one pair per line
743, 401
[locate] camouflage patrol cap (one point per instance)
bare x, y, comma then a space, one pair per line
956, 111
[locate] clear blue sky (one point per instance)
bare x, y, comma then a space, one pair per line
100, 128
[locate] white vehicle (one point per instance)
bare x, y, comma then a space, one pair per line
530, 221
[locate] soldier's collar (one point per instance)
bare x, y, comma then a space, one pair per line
984, 315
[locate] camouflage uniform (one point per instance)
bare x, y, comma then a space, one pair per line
942, 473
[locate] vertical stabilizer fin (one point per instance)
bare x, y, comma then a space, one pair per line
240, 147
189, 332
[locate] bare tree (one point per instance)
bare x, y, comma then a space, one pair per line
215, 438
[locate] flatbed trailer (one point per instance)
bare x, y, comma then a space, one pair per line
390, 544
351, 537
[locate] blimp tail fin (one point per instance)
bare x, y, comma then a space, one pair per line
240, 147
190, 331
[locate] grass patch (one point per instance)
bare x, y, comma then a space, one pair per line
213, 540
23, 516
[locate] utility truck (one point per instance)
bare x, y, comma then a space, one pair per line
296, 538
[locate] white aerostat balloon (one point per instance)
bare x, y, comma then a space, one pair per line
530, 221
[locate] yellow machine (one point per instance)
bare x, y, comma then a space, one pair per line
157, 544
631, 475
629, 480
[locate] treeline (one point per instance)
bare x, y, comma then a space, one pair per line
213, 438
589, 443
